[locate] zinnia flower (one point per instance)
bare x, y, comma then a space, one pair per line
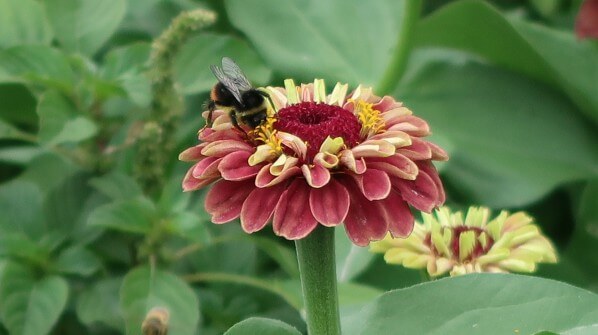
445, 242
320, 159
586, 23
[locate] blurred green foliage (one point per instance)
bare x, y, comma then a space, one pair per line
87, 246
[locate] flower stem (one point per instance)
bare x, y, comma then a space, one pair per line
315, 254
398, 62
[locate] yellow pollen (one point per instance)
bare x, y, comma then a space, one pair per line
371, 121
266, 134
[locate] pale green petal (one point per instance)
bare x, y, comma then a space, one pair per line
467, 242
292, 94
319, 90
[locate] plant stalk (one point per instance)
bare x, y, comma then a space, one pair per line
315, 254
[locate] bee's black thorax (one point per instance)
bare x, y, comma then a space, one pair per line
222, 96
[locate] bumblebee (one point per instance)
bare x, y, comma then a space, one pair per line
156, 322
245, 104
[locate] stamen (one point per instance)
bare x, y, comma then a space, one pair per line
371, 121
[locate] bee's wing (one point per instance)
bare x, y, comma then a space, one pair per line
234, 73
226, 81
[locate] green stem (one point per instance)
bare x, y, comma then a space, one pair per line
315, 254
398, 62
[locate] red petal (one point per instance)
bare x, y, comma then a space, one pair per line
316, 175
374, 184
191, 183
259, 207
235, 167
192, 154
418, 150
293, 218
420, 193
225, 199
224, 147
410, 124
266, 179
430, 170
396, 165
400, 216
207, 168
210, 135
586, 24
329, 204
366, 220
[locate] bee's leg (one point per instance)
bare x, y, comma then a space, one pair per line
233, 120
267, 96
211, 108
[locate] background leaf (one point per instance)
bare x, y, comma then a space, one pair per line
84, 25
477, 304
263, 327
99, 303
30, 306
23, 22
506, 130
143, 289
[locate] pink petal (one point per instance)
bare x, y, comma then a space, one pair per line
265, 179
410, 124
400, 217
418, 150
224, 147
387, 103
293, 218
235, 167
430, 170
329, 204
366, 220
191, 183
316, 175
207, 168
396, 165
438, 154
586, 23
420, 193
374, 184
259, 207
210, 135
348, 160
192, 154
225, 199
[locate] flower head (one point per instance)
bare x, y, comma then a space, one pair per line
319, 159
445, 242
586, 23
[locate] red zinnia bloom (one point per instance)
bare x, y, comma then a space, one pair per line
356, 159
586, 24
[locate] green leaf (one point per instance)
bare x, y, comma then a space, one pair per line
323, 41
543, 53
21, 208
84, 25
19, 155
48, 170
126, 67
133, 216
30, 306
284, 256
509, 147
59, 122
144, 289
37, 64
10, 132
77, 260
191, 67
262, 326
352, 296
99, 303
190, 226
351, 260
116, 186
20, 246
477, 304
18, 105
586, 330
23, 22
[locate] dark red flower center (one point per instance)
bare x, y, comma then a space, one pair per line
478, 249
313, 122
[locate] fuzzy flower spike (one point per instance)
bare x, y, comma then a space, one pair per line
445, 242
319, 158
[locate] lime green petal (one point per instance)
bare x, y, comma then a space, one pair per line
467, 242
524, 234
339, 93
518, 265
440, 244
292, 94
319, 90
517, 220
493, 256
